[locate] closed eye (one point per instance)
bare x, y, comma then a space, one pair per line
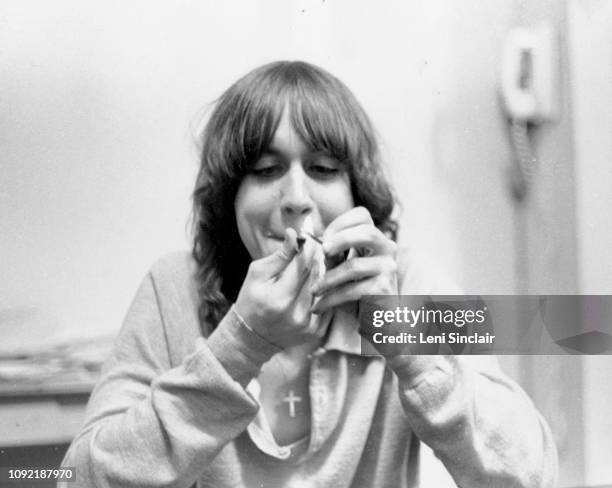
266, 171
267, 166
325, 167
324, 170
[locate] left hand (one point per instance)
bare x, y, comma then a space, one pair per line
371, 273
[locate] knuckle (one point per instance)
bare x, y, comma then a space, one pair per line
255, 269
382, 284
285, 254
282, 304
372, 232
363, 213
352, 266
301, 321
295, 320
391, 264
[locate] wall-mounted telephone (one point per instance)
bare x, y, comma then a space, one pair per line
530, 75
529, 90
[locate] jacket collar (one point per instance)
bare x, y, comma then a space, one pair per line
343, 333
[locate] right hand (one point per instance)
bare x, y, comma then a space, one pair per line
275, 298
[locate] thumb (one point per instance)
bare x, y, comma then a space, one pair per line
276, 262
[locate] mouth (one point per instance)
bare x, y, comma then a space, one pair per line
305, 230
275, 237
301, 236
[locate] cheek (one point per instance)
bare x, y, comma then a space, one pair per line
338, 199
242, 204
245, 206
252, 210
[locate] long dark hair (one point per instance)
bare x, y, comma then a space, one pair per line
324, 113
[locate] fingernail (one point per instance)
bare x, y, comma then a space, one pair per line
314, 289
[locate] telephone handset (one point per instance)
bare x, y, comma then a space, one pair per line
529, 77
529, 93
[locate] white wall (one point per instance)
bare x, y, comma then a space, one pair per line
590, 28
97, 152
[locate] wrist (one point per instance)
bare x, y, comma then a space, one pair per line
240, 350
250, 329
413, 369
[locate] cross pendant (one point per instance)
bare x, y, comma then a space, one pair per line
292, 399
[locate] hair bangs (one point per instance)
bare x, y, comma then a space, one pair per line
258, 107
325, 118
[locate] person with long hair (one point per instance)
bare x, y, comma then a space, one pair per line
240, 363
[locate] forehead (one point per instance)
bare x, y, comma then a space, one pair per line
299, 124
286, 140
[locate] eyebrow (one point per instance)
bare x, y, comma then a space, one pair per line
274, 151
271, 151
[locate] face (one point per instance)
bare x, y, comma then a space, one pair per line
288, 183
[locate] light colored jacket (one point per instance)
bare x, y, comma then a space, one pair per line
172, 407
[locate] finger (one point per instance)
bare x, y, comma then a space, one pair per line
322, 322
353, 291
363, 236
297, 274
353, 270
303, 300
274, 264
351, 218
306, 257
319, 264
348, 292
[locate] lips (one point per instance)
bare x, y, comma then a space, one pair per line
302, 228
281, 237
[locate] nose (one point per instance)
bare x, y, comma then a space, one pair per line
295, 196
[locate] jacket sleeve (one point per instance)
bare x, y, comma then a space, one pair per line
150, 424
478, 422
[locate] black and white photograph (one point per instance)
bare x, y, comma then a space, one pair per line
305, 243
